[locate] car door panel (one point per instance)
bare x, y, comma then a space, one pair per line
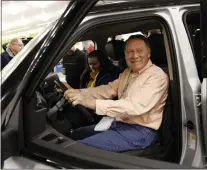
74, 14
70, 153
12, 138
8, 138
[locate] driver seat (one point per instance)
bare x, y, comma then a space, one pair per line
165, 139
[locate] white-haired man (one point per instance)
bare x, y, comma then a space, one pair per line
13, 48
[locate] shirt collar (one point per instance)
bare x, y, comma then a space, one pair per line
148, 65
10, 52
93, 75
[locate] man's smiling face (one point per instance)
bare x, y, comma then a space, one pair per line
137, 54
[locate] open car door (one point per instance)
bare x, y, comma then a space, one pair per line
12, 142
204, 70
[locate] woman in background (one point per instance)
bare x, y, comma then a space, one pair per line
100, 70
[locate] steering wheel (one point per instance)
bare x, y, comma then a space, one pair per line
82, 109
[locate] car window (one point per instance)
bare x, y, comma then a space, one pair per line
192, 23
84, 46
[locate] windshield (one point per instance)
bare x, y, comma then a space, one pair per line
27, 19
12, 65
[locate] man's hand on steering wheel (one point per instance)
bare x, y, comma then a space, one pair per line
76, 97
71, 92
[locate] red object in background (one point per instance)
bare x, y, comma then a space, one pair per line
91, 48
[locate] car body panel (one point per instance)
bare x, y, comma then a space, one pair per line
190, 87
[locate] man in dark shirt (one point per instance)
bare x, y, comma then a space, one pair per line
74, 63
14, 47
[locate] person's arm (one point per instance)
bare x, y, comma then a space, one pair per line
87, 97
138, 102
109, 91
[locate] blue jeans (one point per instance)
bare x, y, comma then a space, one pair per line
119, 138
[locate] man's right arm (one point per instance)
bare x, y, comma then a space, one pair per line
109, 91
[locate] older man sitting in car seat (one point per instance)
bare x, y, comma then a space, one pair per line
132, 121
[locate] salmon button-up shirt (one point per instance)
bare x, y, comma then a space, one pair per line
141, 103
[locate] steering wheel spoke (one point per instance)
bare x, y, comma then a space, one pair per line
82, 109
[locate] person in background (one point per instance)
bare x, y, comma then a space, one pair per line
85, 51
99, 71
90, 48
13, 48
74, 63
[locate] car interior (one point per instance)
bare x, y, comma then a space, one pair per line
47, 105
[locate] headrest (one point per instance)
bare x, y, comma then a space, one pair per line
158, 53
115, 49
